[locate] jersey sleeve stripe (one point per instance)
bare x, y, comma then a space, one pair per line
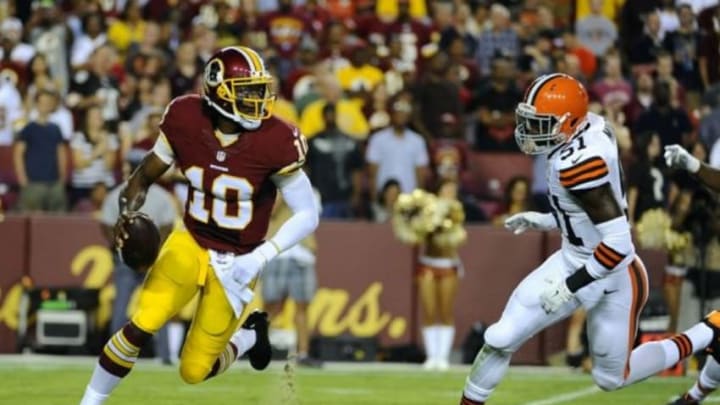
584, 177
611, 252
604, 261
585, 165
291, 168
607, 257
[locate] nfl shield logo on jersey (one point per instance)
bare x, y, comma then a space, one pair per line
220, 156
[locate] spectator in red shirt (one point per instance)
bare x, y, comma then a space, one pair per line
643, 97
612, 89
412, 33
284, 29
448, 151
588, 62
316, 16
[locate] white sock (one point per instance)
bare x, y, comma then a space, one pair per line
707, 381
446, 336
700, 335
652, 357
93, 398
429, 340
488, 369
244, 340
176, 334
100, 386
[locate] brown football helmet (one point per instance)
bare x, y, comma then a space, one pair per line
237, 85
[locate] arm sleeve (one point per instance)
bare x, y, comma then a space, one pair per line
163, 150
300, 198
615, 251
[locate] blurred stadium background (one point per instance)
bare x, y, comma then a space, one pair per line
101, 73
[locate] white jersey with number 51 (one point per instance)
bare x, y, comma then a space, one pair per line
589, 159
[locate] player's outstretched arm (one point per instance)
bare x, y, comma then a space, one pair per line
132, 197
600, 205
709, 176
150, 169
298, 194
677, 157
604, 211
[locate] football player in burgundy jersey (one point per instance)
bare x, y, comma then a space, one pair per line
235, 156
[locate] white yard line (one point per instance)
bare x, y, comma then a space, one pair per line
568, 396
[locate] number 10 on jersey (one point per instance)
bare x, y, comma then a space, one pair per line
218, 209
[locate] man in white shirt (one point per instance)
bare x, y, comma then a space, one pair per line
397, 152
596, 31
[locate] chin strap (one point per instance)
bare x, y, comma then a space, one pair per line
244, 122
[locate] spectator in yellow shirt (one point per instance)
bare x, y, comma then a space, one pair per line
360, 77
387, 10
129, 28
350, 118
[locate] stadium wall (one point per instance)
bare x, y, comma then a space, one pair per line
365, 277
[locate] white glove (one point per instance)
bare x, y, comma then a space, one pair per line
677, 157
238, 294
523, 221
246, 267
555, 295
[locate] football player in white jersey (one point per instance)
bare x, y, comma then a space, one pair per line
596, 268
709, 378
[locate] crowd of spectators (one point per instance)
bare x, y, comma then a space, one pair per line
392, 95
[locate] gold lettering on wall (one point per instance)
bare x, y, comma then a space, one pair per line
331, 313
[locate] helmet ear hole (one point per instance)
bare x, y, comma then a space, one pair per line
573, 122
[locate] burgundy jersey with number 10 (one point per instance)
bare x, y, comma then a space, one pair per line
230, 194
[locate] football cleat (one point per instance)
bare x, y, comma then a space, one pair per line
685, 400
261, 353
712, 320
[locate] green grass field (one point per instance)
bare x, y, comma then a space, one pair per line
40, 380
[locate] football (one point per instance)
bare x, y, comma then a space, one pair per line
141, 248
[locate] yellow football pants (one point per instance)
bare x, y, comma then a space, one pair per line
183, 268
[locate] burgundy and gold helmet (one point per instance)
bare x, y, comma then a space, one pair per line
237, 85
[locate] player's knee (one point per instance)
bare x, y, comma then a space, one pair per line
193, 373
500, 336
607, 381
